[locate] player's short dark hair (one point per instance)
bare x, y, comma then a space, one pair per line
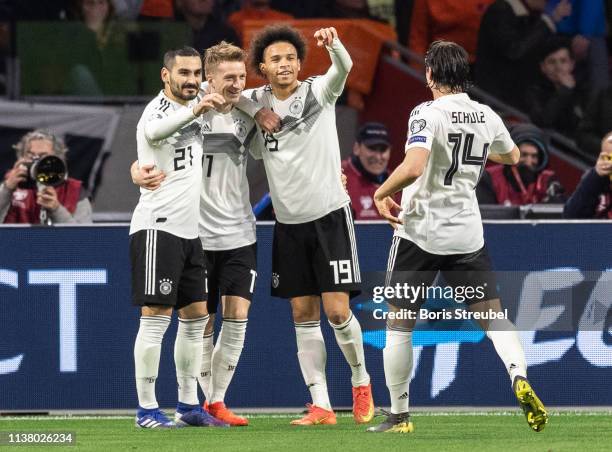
170, 55
271, 35
450, 67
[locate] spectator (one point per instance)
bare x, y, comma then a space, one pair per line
350, 9
255, 10
529, 182
446, 19
587, 28
98, 58
511, 34
595, 123
593, 196
207, 29
66, 203
366, 169
557, 101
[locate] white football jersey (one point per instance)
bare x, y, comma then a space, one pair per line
302, 161
226, 216
440, 210
173, 207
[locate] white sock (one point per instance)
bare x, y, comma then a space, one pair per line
205, 369
147, 349
225, 357
508, 347
188, 358
397, 359
350, 341
313, 357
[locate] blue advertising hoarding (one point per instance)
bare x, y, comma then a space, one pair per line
67, 326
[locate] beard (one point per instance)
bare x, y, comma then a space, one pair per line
177, 90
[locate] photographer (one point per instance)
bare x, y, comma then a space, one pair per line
593, 195
21, 200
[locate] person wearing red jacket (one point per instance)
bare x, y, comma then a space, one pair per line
529, 182
66, 203
366, 169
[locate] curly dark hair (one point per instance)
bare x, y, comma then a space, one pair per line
450, 68
271, 35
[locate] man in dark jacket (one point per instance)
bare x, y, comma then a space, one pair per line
593, 196
557, 101
529, 182
511, 33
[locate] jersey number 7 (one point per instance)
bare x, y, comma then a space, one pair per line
467, 157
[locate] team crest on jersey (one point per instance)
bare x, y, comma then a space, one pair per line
240, 128
366, 202
417, 125
165, 286
296, 107
275, 280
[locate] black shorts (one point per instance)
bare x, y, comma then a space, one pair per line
315, 257
230, 272
410, 264
166, 270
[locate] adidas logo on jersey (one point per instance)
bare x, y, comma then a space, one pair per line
206, 127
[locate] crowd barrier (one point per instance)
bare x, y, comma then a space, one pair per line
67, 326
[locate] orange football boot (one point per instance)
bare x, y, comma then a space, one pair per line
363, 404
316, 416
223, 413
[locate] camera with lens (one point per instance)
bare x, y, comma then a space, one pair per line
49, 171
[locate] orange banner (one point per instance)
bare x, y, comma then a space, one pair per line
362, 38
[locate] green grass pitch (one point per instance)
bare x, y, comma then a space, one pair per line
433, 432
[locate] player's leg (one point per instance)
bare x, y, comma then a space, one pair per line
312, 357
156, 313
226, 355
336, 266
397, 361
193, 317
236, 277
475, 270
407, 264
347, 331
293, 278
212, 302
207, 351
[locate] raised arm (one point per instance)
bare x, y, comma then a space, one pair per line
335, 77
160, 126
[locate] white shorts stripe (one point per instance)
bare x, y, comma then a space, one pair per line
147, 262
150, 261
154, 262
391, 261
351, 229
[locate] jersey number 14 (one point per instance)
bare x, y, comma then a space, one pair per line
467, 158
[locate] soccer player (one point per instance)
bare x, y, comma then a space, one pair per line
227, 225
168, 264
226, 220
439, 227
314, 250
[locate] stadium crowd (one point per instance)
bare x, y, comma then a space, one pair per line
547, 58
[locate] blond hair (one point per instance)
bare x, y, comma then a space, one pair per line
224, 51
